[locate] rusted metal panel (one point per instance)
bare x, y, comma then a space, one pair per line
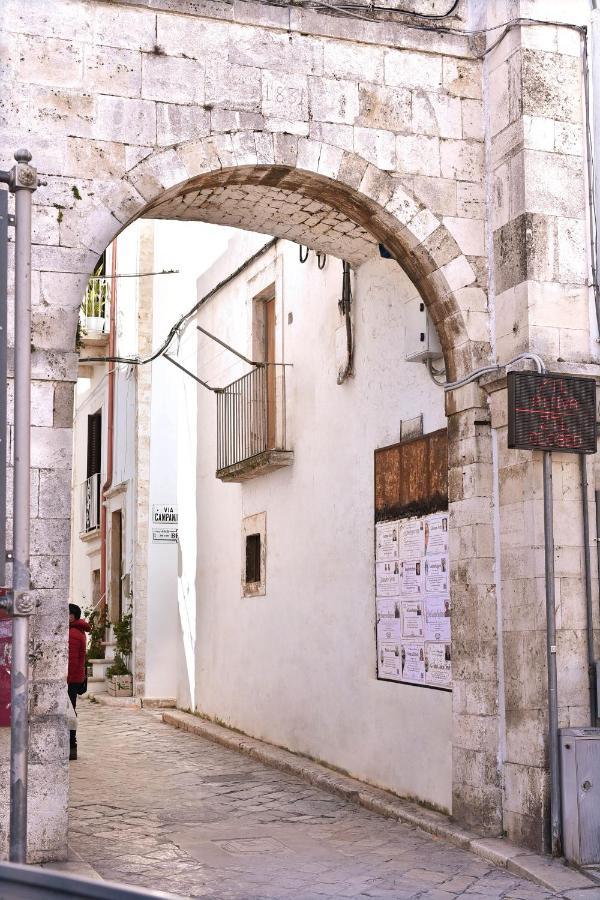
411, 478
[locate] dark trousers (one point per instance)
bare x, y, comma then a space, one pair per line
72, 689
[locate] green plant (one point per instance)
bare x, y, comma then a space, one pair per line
98, 622
123, 634
118, 667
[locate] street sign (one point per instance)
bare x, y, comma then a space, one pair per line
551, 412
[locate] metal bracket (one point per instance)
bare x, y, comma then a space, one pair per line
11, 219
9, 556
6, 599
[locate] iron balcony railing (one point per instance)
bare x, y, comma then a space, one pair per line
90, 504
251, 415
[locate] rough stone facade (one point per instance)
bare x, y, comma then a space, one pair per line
341, 134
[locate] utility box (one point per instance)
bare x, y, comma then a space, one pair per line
580, 788
422, 341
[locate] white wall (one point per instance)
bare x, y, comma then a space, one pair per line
297, 666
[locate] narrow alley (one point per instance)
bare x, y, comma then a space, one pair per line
158, 807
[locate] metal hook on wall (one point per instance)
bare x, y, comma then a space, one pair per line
321, 260
305, 257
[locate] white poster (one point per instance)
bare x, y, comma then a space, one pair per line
437, 619
412, 618
386, 540
389, 661
412, 539
166, 535
438, 664
413, 662
411, 577
389, 630
387, 578
436, 574
435, 534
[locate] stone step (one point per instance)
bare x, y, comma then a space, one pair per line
96, 685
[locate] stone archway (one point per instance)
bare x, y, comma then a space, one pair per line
331, 200
191, 181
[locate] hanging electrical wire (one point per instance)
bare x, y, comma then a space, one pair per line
345, 307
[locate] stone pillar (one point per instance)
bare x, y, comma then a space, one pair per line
540, 303
477, 786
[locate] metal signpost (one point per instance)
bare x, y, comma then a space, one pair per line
549, 411
21, 181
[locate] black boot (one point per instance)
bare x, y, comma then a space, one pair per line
73, 745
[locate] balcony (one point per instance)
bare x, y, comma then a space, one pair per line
251, 429
89, 505
93, 315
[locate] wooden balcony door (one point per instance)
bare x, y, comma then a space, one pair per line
269, 357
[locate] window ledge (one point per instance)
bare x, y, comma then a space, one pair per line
268, 461
90, 535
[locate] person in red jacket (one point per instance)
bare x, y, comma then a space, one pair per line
76, 670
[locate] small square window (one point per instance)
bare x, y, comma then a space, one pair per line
252, 558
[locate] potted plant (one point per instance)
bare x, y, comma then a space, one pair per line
120, 683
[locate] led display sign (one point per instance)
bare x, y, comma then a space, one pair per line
551, 412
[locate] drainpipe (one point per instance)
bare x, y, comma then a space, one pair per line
588, 589
110, 430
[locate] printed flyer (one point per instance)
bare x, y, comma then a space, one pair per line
386, 544
438, 665
413, 607
387, 575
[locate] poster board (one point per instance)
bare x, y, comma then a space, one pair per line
413, 607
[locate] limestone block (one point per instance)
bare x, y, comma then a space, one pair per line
462, 77
553, 184
472, 120
525, 654
568, 138
474, 732
556, 305
571, 613
376, 186
49, 61
117, 26
376, 146
575, 345
468, 233
191, 37
172, 79
124, 120
287, 126
52, 365
538, 133
176, 123
61, 111
93, 159
89, 224
384, 107
44, 225
111, 71
47, 811
41, 402
472, 299
330, 159
54, 494
65, 21
289, 53
418, 155
48, 151
282, 149
161, 171
352, 61
423, 225
458, 273
308, 154
551, 86
47, 697
462, 160
50, 572
269, 150
410, 69
62, 259
284, 96
121, 198
437, 194
199, 156
525, 736
48, 740
230, 120
470, 199
63, 405
333, 101
436, 114
244, 148
51, 448
233, 87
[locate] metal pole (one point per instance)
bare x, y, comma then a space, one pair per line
24, 182
553, 743
3, 353
588, 590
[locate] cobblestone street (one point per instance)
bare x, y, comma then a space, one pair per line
155, 806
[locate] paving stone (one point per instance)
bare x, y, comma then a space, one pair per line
164, 809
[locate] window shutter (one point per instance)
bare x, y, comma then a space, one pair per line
94, 445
